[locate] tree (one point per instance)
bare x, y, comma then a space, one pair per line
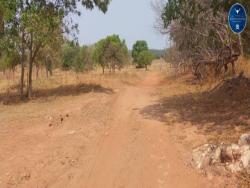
111, 53
138, 47
145, 58
200, 27
89, 61
31, 25
76, 57
199, 31
80, 59
70, 51
42, 27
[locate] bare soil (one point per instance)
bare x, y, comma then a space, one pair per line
103, 134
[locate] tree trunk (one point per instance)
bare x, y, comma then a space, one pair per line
29, 88
37, 71
33, 50
103, 69
22, 68
47, 73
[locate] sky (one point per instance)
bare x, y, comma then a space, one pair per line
131, 19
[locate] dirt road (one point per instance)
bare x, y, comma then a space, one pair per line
95, 140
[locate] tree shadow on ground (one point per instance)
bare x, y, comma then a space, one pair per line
209, 112
67, 90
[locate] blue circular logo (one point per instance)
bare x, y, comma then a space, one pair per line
237, 18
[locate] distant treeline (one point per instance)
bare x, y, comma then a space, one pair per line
158, 53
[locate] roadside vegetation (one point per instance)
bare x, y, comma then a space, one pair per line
34, 37
201, 40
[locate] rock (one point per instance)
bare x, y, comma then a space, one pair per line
226, 153
202, 156
244, 148
245, 159
236, 151
244, 140
216, 158
235, 167
219, 170
232, 157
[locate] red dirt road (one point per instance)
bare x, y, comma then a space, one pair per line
95, 140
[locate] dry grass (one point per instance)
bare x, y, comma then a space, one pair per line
243, 65
217, 115
65, 83
214, 111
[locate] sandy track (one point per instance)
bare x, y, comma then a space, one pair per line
105, 142
137, 152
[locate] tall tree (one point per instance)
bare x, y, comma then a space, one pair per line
111, 52
200, 26
145, 59
29, 25
138, 47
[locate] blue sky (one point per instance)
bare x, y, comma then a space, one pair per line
131, 19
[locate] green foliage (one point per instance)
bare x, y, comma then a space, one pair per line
30, 26
138, 47
197, 24
186, 11
111, 53
101, 4
76, 57
90, 64
79, 61
145, 58
8, 60
142, 56
70, 52
5, 62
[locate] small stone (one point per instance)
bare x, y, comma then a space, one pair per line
216, 158
245, 159
236, 151
226, 154
244, 140
202, 156
235, 167
244, 148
